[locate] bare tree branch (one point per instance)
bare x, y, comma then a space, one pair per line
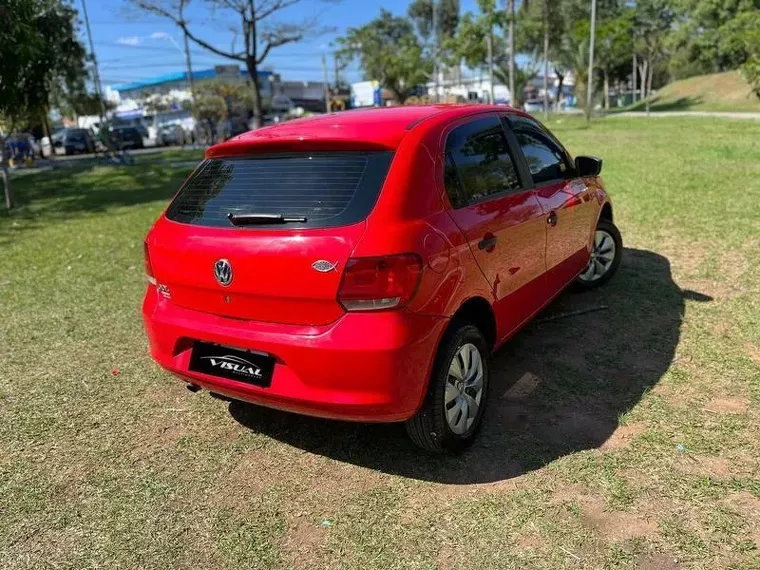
267, 10
258, 38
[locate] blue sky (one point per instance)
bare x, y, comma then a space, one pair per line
126, 52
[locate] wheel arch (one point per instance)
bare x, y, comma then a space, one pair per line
606, 212
478, 312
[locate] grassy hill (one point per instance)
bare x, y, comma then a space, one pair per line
726, 91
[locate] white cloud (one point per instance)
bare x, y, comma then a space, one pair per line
129, 41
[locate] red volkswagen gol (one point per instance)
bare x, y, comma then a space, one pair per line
364, 265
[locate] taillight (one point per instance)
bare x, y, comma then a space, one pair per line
148, 268
373, 283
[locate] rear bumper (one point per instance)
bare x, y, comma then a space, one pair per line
370, 367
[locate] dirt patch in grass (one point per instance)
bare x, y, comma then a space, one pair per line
615, 525
445, 558
754, 351
705, 466
623, 435
303, 543
656, 562
728, 405
748, 506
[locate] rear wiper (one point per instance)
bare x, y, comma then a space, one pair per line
250, 219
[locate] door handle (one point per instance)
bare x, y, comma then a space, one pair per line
552, 219
488, 242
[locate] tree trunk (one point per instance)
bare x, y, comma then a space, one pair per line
258, 113
634, 78
511, 48
649, 86
6, 176
606, 90
643, 66
560, 83
546, 59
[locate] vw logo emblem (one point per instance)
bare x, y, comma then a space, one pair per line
223, 272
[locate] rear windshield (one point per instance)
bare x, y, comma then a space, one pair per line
328, 188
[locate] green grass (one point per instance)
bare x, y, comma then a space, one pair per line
727, 91
637, 445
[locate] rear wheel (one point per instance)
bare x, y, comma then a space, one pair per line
451, 414
605, 256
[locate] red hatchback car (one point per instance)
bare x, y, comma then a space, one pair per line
364, 265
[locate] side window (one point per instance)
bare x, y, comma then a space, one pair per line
478, 162
546, 159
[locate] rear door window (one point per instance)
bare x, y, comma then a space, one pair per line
478, 162
328, 188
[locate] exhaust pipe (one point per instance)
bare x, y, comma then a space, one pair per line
194, 388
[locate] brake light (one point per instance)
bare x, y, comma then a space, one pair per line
374, 283
148, 267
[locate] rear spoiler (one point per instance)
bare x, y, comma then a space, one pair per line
251, 143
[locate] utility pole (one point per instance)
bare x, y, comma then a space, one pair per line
511, 47
490, 64
98, 87
190, 79
435, 50
327, 84
590, 86
546, 59
489, 40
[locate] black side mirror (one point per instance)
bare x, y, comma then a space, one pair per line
588, 165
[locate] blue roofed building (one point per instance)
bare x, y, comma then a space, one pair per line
164, 84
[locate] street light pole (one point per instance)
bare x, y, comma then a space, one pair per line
435, 50
98, 87
590, 86
327, 84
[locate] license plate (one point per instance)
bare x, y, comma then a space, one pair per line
232, 363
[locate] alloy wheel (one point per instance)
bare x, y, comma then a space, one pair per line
602, 256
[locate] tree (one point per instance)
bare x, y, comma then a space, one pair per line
521, 76
256, 25
652, 23
744, 33
706, 32
447, 17
434, 33
41, 59
388, 51
542, 23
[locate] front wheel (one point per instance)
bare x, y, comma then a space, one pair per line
605, 256
451, 414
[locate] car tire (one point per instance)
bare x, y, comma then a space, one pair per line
434, 427
606, 236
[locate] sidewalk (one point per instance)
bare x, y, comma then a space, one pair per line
719, 114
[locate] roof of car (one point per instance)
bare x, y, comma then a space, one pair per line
379, 127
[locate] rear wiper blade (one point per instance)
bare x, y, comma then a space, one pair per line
250, 219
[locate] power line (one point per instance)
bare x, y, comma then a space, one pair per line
201, 51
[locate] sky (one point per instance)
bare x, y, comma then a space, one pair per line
126, 51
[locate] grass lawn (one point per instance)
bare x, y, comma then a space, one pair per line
622, 438
727, 91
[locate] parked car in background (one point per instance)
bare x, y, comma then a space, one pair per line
171, 134
533, 105
73, 141
364, 265
127, 137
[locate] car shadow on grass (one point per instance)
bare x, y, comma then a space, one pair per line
558, 387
